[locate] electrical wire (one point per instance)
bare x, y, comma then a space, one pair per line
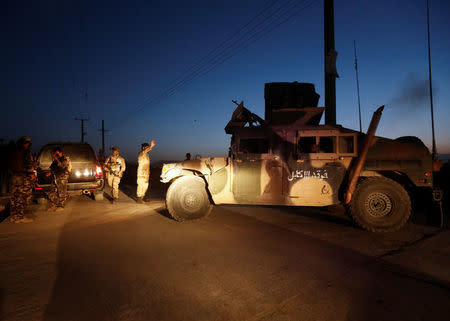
246, 35
255, 37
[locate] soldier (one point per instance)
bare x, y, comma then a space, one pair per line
60, 171
143, 171
22, 167
188, 156
114, 168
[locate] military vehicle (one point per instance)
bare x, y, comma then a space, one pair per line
290, 159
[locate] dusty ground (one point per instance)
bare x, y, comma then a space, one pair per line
98, 261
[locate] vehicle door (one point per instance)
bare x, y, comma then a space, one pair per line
321, 162
251, 161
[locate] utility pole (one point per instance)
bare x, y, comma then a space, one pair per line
103, 130
357, 86
82, 127
330, 63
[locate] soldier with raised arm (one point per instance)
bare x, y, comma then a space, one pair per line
143, 171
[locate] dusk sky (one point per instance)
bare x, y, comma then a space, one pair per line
169, 70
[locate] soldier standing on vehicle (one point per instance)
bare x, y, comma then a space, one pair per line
114, 168
22, 167
143, 171
188, 156
59, 171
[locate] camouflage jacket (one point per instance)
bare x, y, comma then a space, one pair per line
62, 169
115, 164
143, 163
22, 162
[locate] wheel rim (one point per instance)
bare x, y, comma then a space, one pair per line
378, 204
192, 201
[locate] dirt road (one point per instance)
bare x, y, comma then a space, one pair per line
98, 261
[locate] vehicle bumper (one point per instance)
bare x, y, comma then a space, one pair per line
72, 188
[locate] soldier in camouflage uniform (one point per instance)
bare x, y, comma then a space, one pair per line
114, 168
143, 171
60, 171
22, 167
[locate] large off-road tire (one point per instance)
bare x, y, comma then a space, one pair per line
380, 204
187, 199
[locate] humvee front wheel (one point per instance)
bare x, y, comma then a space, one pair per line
187, 199
380, 205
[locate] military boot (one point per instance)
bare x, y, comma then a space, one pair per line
51, 208
24, 220
139, 200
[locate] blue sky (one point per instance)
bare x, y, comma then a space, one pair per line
112, 60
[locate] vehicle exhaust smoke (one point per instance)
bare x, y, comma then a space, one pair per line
414, 93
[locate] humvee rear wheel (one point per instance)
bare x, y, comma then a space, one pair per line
380, 205
187, 199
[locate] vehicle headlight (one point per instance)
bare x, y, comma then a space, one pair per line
167, 167
169, 171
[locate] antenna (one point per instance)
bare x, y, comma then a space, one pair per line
431, 84
83, 133
357, 86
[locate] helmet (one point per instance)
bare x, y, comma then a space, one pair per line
24, 140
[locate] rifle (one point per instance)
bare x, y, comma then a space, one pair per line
55, 182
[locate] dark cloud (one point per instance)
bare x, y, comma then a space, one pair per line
414, 93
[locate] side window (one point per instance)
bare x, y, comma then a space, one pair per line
316, 144
327, 144
254, 145
307, 145
346, 144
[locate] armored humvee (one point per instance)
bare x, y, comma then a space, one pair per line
289, 159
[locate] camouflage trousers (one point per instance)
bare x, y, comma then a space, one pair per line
21, 195
142, 186
57, 193
113, 182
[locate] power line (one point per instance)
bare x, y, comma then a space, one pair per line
229, 49
256, 36
195, 65
207, 57
241, 43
